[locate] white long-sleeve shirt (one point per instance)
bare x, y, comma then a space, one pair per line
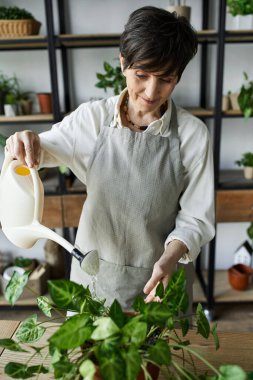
72, 141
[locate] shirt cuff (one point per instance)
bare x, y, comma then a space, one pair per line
187, 257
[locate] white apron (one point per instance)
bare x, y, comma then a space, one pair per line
134, 181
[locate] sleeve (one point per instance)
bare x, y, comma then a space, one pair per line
71, 141
195, 220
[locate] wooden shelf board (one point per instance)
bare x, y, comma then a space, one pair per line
26, 118
222, 290
24, 42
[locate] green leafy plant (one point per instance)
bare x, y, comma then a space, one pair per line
246, 160
2, 140
119, 344
245, 98
240, 7
112, 78
14, 13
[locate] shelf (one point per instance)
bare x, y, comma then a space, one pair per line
36, 118
234, 179
89, 40
23, 43
239, 36
222, 291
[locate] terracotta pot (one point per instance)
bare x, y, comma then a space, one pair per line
45, 102
152, 369
239, 276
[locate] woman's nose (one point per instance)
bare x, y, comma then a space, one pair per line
152, 90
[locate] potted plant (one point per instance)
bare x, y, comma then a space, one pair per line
180, 8
112, 78
16, 22
104, 342
240, 7
239, 14
247, 162
7, 85
245, 98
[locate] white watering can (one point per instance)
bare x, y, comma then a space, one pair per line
21, 209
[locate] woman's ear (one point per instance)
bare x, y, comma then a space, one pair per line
121, 59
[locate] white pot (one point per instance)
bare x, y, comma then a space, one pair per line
248, 172
239, 22
10, 110
182, 10
234, 101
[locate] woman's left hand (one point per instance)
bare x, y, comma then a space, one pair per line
164, 268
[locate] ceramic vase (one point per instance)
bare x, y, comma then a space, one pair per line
45, 102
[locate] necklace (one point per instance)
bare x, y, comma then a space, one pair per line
140, 127
125, 109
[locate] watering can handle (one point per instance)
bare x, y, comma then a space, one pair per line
7, 160
36, 185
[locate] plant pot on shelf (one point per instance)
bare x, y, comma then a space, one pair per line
25, 106
181, 10
248, 172
234, 101
10, 110
45, 102
19, 28
239, 276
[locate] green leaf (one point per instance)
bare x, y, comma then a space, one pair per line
203, 326
160, 290
215, 336
64, 292
73, 332
29, 331
139, 304
105, 327
11, 345
157, 313
133, 363
112, 366
232, 372
44, 305
175, 295
116, 314
135, 331
64, 369
160, 352
184, 323
22, 371
87, 369
15, 287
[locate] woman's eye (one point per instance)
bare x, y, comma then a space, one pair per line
140, 76
168, 80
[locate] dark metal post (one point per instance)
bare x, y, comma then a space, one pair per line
52, 59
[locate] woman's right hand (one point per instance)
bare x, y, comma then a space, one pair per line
24, 146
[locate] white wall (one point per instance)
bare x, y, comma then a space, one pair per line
109, 16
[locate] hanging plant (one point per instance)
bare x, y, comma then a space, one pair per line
240, 7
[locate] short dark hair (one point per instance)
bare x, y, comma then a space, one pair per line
157, 40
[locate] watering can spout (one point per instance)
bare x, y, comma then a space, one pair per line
21, 207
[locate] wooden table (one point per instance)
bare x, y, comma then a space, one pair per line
236, 348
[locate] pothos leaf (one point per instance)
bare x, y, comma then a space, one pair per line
44, 305
87, 369
105, 327
11, 345
133, 363
160, 352
22, 371
15, 287
203, 326
232, 372
215, 336
73, 332
29, 331
116, 314
64, 292
184, 323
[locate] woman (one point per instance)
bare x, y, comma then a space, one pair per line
147, 165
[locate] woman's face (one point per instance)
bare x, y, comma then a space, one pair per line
148, 90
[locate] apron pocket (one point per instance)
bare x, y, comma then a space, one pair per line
121, 282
